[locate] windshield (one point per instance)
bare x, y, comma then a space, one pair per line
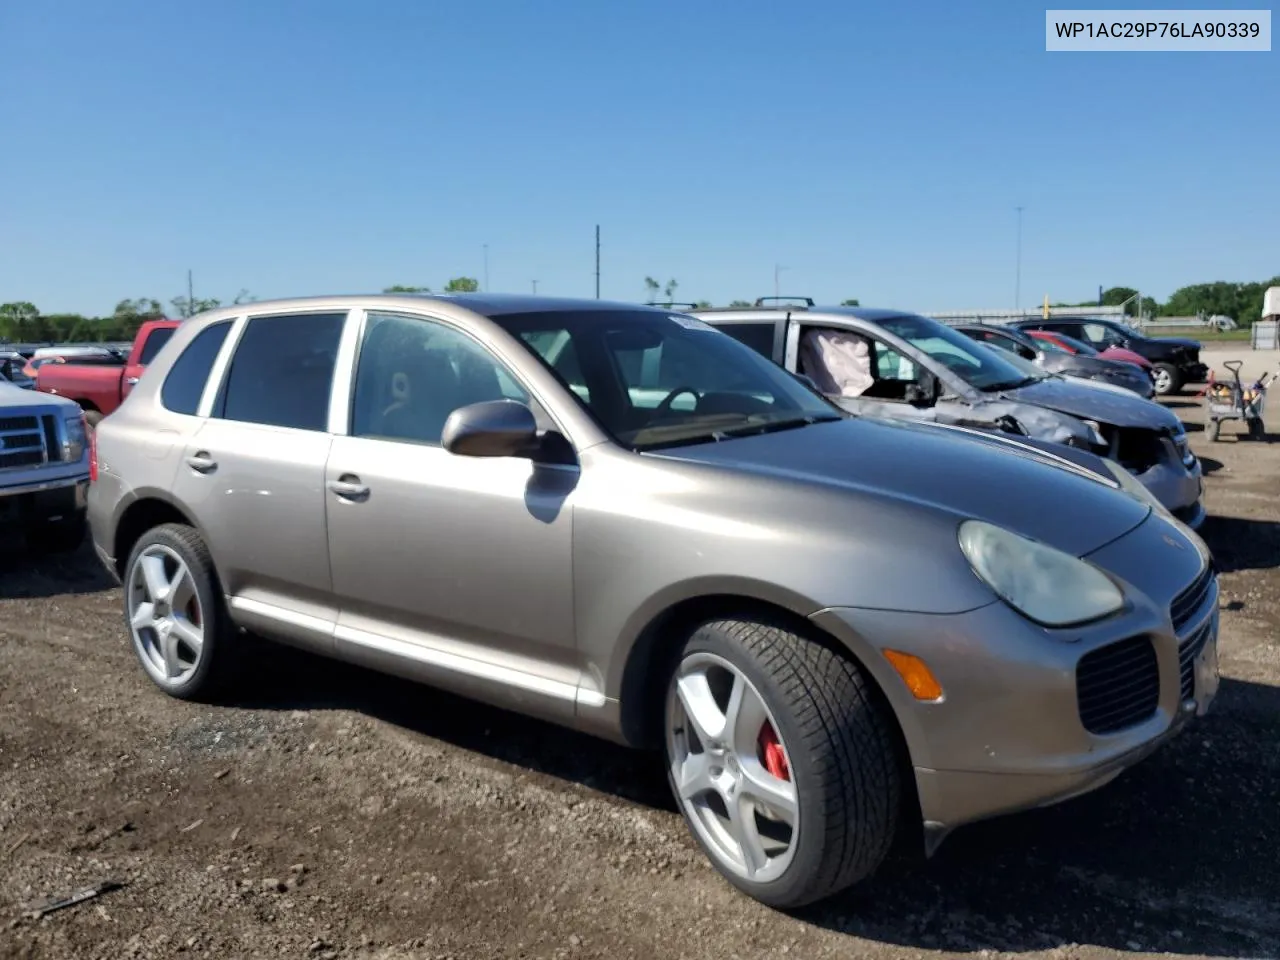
655, 380
980, 366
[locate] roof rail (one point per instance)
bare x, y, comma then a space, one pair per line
808, 301
671, 304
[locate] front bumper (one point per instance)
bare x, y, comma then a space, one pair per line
45, 501
1009, 733
1177, 484
1195, 372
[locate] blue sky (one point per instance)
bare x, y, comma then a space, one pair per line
319, 146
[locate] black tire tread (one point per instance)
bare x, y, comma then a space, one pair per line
844, 728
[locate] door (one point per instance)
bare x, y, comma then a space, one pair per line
253, 474
459, 567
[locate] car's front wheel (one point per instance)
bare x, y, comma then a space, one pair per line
174, 612
782, 761
1167, 379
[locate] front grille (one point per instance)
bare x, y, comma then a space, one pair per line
1188, 650
28, 441
1190, 600
1135, 449
1118, 686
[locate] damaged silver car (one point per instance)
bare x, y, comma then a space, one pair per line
890, 363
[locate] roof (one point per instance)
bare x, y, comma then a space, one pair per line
485, 304
870, 314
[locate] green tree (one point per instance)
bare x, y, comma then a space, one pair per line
185, 307
702, 305
144, 308
244, 296
670, 290
850, 303
651, 287
740, 304
462, 285
401, 288
18, 320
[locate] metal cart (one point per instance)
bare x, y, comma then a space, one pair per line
1234, 401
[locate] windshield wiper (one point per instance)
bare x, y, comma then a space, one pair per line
754, 429
1011, 385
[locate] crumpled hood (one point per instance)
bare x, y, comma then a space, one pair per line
967, 475
1105, 406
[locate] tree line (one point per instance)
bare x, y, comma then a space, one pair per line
22, 321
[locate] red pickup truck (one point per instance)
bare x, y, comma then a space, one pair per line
99, 385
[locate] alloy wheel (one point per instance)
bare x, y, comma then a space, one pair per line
730, 769
166, 620
1163, 381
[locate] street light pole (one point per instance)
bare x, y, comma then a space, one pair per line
1017, 282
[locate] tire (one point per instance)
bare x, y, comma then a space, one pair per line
1168, 379
839, 760
207, 673
92, 418
61, 536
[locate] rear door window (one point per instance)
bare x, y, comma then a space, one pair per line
282, 371
760, 337
184, 384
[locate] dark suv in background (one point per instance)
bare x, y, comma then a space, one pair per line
1176, 360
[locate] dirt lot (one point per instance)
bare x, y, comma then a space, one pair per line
336, 813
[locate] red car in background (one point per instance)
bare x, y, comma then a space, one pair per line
1071, 345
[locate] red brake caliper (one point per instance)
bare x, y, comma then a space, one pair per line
772, 755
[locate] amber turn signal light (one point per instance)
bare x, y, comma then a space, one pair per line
915, 674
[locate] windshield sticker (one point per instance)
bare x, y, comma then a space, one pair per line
690, 323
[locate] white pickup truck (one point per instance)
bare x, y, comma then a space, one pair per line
44, 468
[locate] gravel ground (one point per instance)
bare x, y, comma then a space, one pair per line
332, 812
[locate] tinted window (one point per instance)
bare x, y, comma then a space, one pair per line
282, 371
413, 373
158, 338
980, 368
652, 379
186, 378
757, 336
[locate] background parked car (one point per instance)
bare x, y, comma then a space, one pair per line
98, 383
1065, 344
1063, 362
895, 364
658, 536
44, 468
11, 370
1176, 360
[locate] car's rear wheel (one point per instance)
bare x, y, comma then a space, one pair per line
1167, 379
174, 612
782, 761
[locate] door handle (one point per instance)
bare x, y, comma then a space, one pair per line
349, 487
202, 463
131, 381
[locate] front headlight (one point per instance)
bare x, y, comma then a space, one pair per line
74, 438
1043, 584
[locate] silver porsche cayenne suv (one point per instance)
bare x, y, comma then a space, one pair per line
621, 520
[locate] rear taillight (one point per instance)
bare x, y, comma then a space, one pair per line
93, 450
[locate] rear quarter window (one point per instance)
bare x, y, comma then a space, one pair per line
185, 381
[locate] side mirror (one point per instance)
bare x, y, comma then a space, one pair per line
495, 428
925, 392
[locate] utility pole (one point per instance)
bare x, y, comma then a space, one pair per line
597, 261
486, 268
1017, 283
535, 288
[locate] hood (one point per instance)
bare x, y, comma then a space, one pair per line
1177, 342
1121, 408
955, 471
12, 395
